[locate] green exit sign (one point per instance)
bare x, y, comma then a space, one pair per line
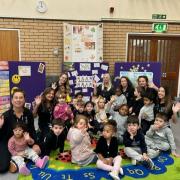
159, 27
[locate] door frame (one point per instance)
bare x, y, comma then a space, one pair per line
153, 34
18, 30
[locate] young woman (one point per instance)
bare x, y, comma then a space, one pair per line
63, 80
43, 108
127, 89
164, 103
105, 89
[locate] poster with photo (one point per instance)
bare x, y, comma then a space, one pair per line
81, 76
83, 43
135, 69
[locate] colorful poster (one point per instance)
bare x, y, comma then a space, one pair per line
83, 43
29, 76
81, 76
135, 69
4, 87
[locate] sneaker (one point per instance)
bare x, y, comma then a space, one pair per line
133, 162
149, 163
121, 171
13, 167
41, 163
114, 175
24, 170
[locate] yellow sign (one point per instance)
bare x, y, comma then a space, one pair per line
16, 79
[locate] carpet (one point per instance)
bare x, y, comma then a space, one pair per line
166, 167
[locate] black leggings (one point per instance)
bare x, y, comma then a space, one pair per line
5, 157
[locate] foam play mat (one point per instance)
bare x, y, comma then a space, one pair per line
60, 167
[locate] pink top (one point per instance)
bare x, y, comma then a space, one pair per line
63, 112
80, 145
16, 145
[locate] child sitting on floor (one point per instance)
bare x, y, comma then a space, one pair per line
81, 150
160, 136
134, 141
18, 146
107, 150
55, 138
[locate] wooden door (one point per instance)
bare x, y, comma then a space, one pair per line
164, 49
9, 45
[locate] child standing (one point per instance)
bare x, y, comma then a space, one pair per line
18, 146
55, 138
81, 151
107, 150
62, 110
160, 136
134, 141
146, 114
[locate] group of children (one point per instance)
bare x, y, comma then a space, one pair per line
114, 122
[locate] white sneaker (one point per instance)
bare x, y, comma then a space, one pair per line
114, 175
150, 163
133, 162
121, 171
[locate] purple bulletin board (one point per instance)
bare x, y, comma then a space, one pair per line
81, 76
134, 69
29, 76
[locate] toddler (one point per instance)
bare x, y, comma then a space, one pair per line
81, 151
18, 146
107, 150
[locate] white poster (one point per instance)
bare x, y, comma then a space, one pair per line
83, 43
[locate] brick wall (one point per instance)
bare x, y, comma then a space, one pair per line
39, 37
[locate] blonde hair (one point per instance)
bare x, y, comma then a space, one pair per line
109, 84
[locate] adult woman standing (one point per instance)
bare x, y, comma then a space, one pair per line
17, 113
127, 89
164, 103
105, 89
63, 80
143, 82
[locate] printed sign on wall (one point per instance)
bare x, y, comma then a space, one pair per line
83, 43
81, 77
135, 69
29, 76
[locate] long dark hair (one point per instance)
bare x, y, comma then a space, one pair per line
129, 83
44, 102
167, 99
